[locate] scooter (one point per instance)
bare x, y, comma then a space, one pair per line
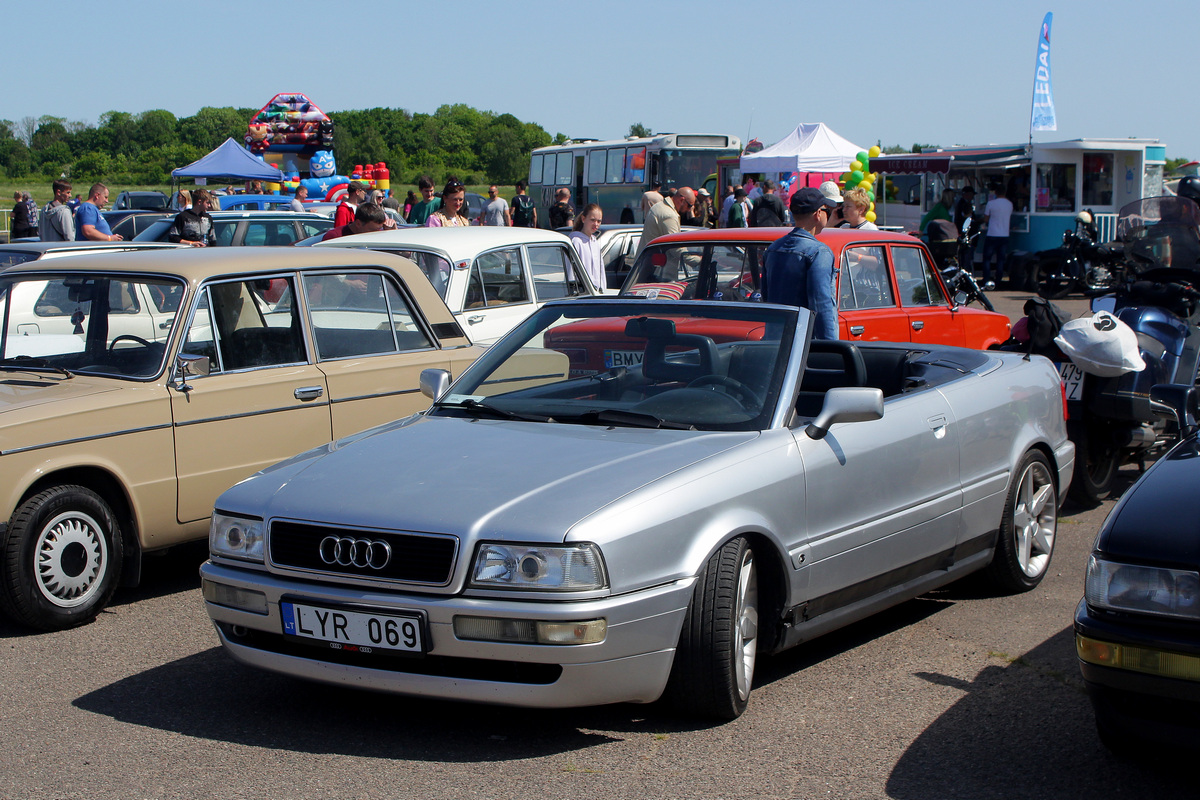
1082, 264
1112, 420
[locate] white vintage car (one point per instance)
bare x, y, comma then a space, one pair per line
730, 488
492, 278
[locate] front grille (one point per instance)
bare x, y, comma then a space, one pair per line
415, 557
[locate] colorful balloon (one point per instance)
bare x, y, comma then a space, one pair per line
856, 166
864, 184
870, 215
855, 178
862, 156
874, 151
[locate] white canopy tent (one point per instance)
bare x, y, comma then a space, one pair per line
812, 147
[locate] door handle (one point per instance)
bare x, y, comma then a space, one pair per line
474, 318
918, 324
309, 392
857, 330
162, 326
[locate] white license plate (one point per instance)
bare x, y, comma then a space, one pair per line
353, 630
622, 358
1072, 378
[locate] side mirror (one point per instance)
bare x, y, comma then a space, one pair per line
1177, 399
188, 364
846, 404
434, 383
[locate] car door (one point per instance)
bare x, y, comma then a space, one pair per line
263, 401
556, 272
930, 320
371, 343
867, 307
883, 500
498, 294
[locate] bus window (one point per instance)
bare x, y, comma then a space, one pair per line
616, 165
548, 170
635, 165
535, 169
595, 170
562, 175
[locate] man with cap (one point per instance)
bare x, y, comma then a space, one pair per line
701, 211
356, 195
798, 269
830, 190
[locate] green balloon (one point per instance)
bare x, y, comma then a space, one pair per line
855, 177
870, 195
866, 166
862, 158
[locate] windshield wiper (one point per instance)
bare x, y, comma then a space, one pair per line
630, 419
31, 363
474, 406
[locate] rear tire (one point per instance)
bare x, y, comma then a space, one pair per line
1027, 527
60, 559
713, 670
1095, 467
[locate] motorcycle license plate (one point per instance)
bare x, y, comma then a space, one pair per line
1072, 378
343, 629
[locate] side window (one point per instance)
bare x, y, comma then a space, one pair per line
312, 229
914, 276
548, 170
497, 278
564, 169
435, 267
254, 324
353, 314
616, 165
596, 165
199, 340
259, 234
864, 282
535, 169
553, 275
224, 230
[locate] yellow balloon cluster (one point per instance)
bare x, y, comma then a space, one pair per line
859, 176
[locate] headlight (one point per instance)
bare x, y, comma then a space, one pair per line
236, 537
1143, 590
573, 568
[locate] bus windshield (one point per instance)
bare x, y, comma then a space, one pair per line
689, 167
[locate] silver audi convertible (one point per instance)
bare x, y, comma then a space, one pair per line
628, 499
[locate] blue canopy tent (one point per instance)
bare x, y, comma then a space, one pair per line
230, 161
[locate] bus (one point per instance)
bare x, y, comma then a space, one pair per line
616, 173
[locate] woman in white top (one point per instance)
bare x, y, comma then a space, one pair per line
583, 239
854, 208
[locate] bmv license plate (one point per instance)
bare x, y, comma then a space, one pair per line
622, 358
1072, 378
356, 631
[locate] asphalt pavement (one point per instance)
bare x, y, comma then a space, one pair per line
958, 694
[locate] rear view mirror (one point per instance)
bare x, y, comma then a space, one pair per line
846, 404
434, 383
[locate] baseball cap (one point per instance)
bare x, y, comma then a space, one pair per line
807, 200
830, 190
703, 192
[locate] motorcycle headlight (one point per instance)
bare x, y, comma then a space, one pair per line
1143, 590
236, 537
571, 568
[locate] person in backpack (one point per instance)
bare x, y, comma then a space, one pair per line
767, 211
522, 213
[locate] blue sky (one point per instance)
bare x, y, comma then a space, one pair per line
898, 72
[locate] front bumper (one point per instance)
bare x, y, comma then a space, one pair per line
631, 664
1064, 457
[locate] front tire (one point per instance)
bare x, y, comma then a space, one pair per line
713, 671
61, 559
1027, 527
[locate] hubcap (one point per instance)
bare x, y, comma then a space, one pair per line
746, 615
1035, 518
70, 559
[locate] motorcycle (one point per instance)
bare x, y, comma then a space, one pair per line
1112, 420
1082, 264
959, 280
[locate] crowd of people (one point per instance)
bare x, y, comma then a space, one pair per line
63, 219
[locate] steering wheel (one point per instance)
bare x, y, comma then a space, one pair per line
745, 395
137, 339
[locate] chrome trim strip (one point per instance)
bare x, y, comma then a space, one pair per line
84, 439
336, 400
304, 407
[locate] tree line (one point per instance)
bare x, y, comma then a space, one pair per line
475, 146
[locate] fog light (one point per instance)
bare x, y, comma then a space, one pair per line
242, 599
1138, 659
525, 631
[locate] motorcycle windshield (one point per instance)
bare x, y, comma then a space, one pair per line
1160, 232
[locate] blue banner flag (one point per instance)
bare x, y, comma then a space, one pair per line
1042, 117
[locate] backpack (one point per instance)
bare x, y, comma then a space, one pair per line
522, 211
763, 215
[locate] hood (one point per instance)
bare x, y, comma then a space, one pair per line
1158, 519
515, 480
38, 408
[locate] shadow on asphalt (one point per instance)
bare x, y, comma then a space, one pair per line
1017, 733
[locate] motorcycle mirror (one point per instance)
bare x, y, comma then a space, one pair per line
966, 228
1105, 302
960, 298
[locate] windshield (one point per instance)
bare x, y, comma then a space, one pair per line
104, 324
698, 271
1161, 232
691, 166
634, 364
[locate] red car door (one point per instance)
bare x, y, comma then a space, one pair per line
867, 307
923, 298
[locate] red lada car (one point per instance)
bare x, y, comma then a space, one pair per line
887, 290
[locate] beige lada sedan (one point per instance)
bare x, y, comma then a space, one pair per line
136, 387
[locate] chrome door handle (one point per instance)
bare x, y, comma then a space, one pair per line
918, 324
857, 330
475, 318
309, 392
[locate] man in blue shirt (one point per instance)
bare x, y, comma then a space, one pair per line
90, 224
798, 270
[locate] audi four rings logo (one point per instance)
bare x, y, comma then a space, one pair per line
347, 552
